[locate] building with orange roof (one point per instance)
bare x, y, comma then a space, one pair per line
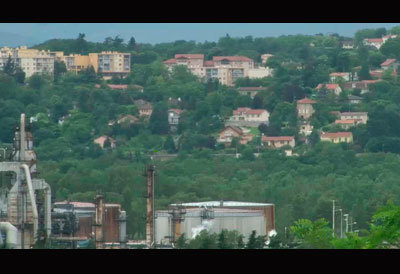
330, 87
337, 137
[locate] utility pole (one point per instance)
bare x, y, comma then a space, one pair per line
341, 223
347, 222
333, 219
150, 206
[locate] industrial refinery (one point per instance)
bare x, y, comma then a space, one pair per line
28, 215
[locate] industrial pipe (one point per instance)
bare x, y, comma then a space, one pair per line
11, 234
122, 229
47, 201
33, 201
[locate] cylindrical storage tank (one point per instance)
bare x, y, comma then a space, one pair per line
242, 220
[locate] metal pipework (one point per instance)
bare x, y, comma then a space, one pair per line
32, 198
11, 234
22, 139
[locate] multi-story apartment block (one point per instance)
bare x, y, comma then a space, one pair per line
111, 63
225, 69
31, 61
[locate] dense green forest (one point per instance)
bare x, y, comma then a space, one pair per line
361, 176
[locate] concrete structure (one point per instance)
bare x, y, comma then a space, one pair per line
248, 117
305, 108
75, 62
31, 61
335, 88
215, 216
362, 116
278, 141
337, 137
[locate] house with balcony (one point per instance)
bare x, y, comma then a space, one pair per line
346, 124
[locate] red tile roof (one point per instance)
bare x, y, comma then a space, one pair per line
232, 58
170, 61
336, 134
388, 62
328, 86
189, 56
178, 111
236, 129
306, 101
277, 138
256, 111
208, 63
374, 40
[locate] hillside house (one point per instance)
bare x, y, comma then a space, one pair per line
390, 64
145, 110
335, 76
228, 133
346, 124
173, 116
305, 108
335, 88
102, 140
278, 141
361, 116
348, 44
337, 137
249, 117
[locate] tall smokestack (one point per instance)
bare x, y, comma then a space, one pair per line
99, 217
22, 138
150, 206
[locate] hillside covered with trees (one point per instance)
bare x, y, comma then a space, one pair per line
69, 112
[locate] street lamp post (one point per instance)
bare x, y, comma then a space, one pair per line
347, 222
